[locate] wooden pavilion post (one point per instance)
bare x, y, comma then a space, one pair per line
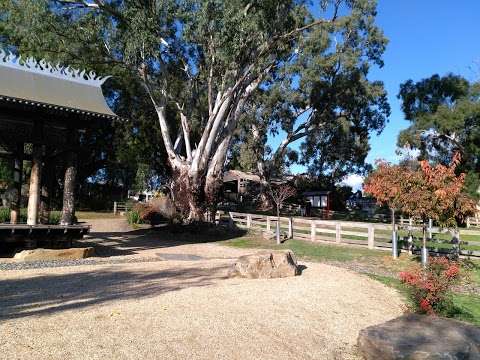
17, 180
46, 190
68, 210
35, 175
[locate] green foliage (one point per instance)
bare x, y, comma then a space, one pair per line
111, 151
4, 215
6, 174
322, 98
318, 63
55, 216
445, 115
309, 70
133, 217
53, 219
142, 178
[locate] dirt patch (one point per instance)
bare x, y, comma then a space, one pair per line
179, 309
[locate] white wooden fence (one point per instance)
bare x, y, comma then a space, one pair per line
374, 236
369, 235
120, 207
473, 222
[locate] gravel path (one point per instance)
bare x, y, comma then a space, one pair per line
183, 306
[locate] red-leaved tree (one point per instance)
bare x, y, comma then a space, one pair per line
385, 184
431, 192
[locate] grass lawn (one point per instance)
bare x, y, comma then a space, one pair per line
88, 215
376, 264
310, 251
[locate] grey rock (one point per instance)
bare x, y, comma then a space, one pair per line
420, 337
266, 265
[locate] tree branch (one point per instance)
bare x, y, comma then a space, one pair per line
186, 131
164, 127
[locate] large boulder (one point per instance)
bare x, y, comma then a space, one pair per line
266, 265
422, 337
54, 254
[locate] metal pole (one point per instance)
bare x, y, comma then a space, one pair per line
394, 237
424, 246
430, 225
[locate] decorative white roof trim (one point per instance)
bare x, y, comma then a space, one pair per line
42, 67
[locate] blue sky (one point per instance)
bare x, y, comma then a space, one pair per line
425, 37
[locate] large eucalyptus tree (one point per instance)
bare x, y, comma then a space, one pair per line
202, 62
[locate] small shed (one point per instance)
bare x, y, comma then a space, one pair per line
319, 199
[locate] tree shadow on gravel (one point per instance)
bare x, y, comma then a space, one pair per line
128, 243
49, 294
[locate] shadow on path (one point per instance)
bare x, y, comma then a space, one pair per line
48, 294
108, 244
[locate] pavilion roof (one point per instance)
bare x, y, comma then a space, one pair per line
40, 84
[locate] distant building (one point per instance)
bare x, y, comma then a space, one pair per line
364, 203
237, 184
319, 199
141, 196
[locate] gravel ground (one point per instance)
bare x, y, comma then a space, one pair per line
183, 306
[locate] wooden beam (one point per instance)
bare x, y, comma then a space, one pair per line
17, 180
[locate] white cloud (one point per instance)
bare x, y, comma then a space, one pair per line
354, 181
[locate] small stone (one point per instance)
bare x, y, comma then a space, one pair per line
420, 337
54, 254
266, 265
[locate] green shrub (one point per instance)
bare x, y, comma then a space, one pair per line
133, 217
23, 216
4, 215
54, 218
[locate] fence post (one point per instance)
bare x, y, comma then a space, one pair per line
456, 242
401, 220
371, 236
313, 230
269, 225
290, 227
249, 220
430, 225
338, 232
114, 208
468, 222
230, 220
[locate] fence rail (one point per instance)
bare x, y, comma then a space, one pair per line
369, 235
473, 222
120, 207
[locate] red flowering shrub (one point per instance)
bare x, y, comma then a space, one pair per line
429, 288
